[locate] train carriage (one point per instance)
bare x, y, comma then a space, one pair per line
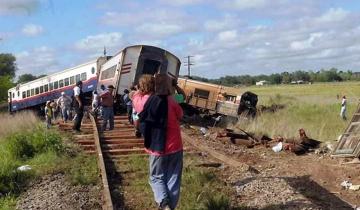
124, 69
35, 93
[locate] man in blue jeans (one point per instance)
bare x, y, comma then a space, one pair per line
107, 102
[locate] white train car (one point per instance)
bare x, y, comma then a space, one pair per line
36, 93
124, 69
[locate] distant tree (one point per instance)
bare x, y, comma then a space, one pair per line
41, 75
26, 78
275, 78
286, 77
7, 65
5, 85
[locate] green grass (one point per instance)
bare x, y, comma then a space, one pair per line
46, 153
314, 108
200, 187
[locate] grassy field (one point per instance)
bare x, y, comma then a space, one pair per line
24, 140
315, 108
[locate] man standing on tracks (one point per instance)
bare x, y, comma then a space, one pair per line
78, 105
64, 102
107, 102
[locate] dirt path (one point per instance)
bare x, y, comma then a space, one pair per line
284, 180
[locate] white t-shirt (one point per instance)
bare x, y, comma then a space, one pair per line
76, 91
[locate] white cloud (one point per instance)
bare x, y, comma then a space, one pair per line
32, 30
181, 2
306, 44
41, 60
332, 15
9, 7
246, 4
97, 42
156, 30
227, 36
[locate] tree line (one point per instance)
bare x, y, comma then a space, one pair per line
323, 75
7, 75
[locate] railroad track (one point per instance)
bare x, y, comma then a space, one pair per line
110, 147
120, 144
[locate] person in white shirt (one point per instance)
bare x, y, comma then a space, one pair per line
78, 106
343, 108
64, 102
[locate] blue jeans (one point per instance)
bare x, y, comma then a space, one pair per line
165, 177
108, 115
65, 113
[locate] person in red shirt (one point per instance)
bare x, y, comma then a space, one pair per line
160, 125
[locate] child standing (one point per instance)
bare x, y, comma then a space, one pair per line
48, 114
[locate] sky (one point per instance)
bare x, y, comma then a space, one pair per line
228, 37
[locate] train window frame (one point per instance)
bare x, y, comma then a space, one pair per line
77, 78
61, 83
51, 86
108, 73
66, 81
83, 76
41, 89
46, 88
27, 93
72, 80
201, 93
24, 94
37, 90
56, 85
32, 92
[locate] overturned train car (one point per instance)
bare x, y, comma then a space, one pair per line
218, 99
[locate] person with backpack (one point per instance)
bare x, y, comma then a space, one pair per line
160, 126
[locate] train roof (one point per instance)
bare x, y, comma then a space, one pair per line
55, 73
141, 45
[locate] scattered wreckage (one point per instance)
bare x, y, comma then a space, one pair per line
298, 146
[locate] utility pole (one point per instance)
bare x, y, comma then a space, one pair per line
188, 64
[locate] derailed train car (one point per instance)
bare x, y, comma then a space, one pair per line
217, 98
121, 70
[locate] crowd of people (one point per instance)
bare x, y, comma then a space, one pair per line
152, 106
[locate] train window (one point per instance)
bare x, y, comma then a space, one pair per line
77, 78
51, 86
46, 88
67, 82
41, 89
93, 70
201, 93
13, 95
61, 83
151, 67
32, 92
24, 94
18, 93
72, 80
108, 73
28, 93
37, 91
83, 76
56, 85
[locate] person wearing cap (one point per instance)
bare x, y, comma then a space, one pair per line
107, 102
78, 106
48, 114
64, 102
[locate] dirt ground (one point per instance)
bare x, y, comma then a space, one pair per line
54, 192
283, 180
